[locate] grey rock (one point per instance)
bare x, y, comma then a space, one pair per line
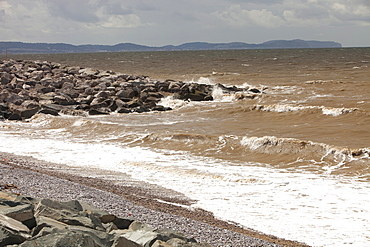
98, 112
104, 216
12, 231
122, 223
126, 94
22, 213
14, 99
63, 100
49, 112
49, 223
27, 113
160, 243
14, 116
144, 238
124, 242
123, 110
69, 238
63, 213
30, 104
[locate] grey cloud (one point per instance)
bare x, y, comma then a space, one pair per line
2, 15
117, 9
164, 22
80, 11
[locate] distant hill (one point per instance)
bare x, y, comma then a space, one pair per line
20, 47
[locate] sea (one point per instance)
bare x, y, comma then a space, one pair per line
293, 162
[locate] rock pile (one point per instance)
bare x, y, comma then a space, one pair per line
26, 221
31, 87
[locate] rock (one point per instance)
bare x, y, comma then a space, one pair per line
73, 70
63, 100
4, 107
45, 90
196, 96
27, 113
168, 234
14, 116
22, 213
8, 199
90, 90
160, 243
74, 224
144, 238
67, 238
99, 102
63, 213
88, 72
254, 90
30, 104
161, 108
14, 99
48, 96
102, 94
46, 222
134, 103
174, 87
126, 94
5, 78
49, 112
104, 216
100, 111
101, 237
122, 223
73, 112
151, 99
12, 231
53, 107
123, 110
124, 242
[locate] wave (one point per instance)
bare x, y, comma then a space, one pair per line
272, 144
285, 153
331, 111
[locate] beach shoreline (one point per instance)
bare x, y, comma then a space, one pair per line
118, 193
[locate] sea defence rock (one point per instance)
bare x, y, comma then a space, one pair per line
31, 87
26, 221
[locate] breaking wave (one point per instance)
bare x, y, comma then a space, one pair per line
331, 111
285, 153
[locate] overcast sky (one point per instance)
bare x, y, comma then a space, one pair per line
163, 22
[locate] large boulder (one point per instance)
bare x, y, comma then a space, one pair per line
69, 213
23, 213
67, 238
12, 231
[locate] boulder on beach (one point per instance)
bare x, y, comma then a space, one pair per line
26, 221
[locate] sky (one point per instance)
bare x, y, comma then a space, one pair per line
174, 22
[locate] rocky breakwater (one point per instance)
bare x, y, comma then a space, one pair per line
26, 221
31, 87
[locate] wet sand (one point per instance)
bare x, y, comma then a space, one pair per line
121, 195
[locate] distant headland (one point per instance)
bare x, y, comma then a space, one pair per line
20, 47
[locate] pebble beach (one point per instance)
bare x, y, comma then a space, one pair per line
158, 207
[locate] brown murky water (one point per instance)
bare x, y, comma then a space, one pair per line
317, 104
313, 120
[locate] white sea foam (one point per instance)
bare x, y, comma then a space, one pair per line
337, 111
170, 101
292, 108
219, 96
319, 210
203, 80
